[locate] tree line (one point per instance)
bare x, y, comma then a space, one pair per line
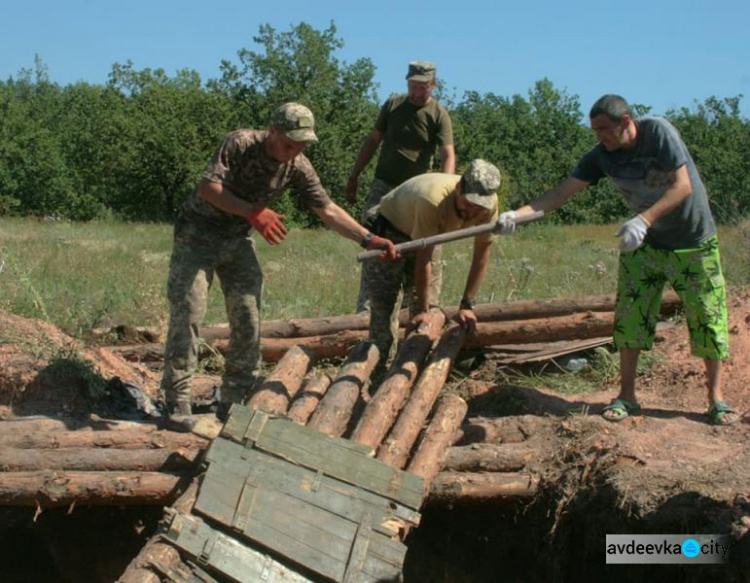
134, 148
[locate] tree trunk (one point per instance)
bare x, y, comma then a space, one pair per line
392, 393
27, 438
335, 409
484, 457
433, 448
463, 487
82, 459
50, 489
397, 446
588, 325
309, 398
10, 429
280, 387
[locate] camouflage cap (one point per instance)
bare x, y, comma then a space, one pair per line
480, 183
296, 122
421, 71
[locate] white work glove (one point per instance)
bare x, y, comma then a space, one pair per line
633, 232
506, 223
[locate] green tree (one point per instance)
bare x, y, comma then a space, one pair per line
164, 132
34, 179
719, 141
301, 65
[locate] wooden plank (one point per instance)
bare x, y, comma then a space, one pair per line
383, 554
555, 349
234, 559
333, 456
310, 536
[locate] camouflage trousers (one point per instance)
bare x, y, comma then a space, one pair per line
390, 286
196, 258
378, 189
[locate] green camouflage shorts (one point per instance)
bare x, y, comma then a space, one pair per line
695, 274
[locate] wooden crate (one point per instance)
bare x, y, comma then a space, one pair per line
322, 502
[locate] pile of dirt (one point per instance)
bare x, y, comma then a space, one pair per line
46, 372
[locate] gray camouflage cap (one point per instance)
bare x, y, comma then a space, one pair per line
421, 71
296, 122
480, 183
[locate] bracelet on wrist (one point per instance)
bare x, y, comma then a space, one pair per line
466, 304
366, 240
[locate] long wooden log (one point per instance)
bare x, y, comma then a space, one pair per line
433, 448
280, 387
82, 459
27, 438
309, 397
11, 428
588, 325
396, 447
334, 412
463, 487
485, 457
50, 489
335, 345
504, 457
58, 489
302, 327
391, 395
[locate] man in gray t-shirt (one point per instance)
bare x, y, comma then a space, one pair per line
671, 238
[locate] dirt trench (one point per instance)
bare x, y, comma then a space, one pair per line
488, 543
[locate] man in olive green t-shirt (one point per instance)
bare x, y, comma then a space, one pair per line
410, 129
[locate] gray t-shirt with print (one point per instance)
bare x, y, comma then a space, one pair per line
642, 175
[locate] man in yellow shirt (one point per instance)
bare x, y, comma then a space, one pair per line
423, 206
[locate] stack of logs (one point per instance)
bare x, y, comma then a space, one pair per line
46, 462
406, 422
521, 322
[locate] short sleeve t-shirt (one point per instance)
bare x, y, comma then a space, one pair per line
411, 136
424, 206
642, 175
242, 165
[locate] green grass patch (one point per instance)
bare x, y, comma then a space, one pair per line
602, 367
79, 276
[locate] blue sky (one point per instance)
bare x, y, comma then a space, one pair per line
662, 53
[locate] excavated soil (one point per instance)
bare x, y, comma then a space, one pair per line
666, 471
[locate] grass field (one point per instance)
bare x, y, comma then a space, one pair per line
83, 276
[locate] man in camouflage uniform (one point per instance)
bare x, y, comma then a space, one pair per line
248, 172
424, 206
411, 128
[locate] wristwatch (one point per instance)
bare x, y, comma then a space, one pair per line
466, 304
366, 240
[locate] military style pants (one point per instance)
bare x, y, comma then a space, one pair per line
196, 258
378, 189
391, 286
